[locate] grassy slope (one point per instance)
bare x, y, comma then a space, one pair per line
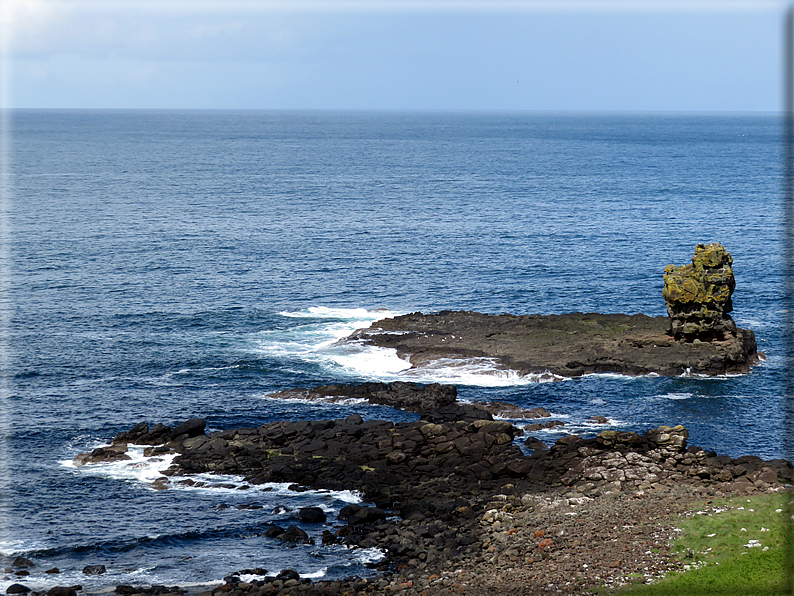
714, 543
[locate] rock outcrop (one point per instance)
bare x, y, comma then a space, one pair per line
466, 493
435, 402
698, 337
568, 345
698, 295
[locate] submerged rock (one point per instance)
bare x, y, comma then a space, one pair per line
112, 453
94, 570
698, 295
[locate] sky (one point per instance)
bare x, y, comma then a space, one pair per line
525, 55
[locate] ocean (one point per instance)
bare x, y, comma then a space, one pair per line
168, 265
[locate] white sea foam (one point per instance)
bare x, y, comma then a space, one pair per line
11, 548
340, 313
619, 376
483, 372
688, 374
369, 555
315, 574
146, 470
368, 361
317, 341
138, 468
329, 399
677, 395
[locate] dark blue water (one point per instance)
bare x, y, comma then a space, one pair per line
169, 265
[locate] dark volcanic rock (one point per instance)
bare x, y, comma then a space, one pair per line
458, 411
566, 345
437, 403
94, 570
312, 515
192, 428
103, 455
294, 534
410, 397
62, 591
443, 478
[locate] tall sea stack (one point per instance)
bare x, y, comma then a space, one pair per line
698, 296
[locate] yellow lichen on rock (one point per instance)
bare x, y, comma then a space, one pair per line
698, 295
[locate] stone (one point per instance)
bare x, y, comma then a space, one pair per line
23, 562
294, 534
743, 484
94, 570
698, 295
17, 589
348, 510
367, 515
534, 443
312, 515
273, 532
112, 453
192, 428
665, 436
62, 591
288, 574
396, 457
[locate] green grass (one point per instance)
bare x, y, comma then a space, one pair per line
713, 543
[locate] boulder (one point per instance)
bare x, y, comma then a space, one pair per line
288, 574
103, 455
698, 295
534, 443
141, 434
62, 591
312, 515
273, 532
665, 436
17, 589
367, 515
192, 428
294, 534
94, 570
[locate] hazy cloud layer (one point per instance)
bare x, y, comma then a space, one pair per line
394, 55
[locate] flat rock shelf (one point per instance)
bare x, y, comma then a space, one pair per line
568, 345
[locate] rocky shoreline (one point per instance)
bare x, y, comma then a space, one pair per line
567, 345
457, 506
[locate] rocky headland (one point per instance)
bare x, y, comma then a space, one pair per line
458, 506
698, 336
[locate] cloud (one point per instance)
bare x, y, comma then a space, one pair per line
164, 30
395, 54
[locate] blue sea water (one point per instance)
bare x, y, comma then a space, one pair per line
170, 265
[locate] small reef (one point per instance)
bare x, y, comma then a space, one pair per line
698, 336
